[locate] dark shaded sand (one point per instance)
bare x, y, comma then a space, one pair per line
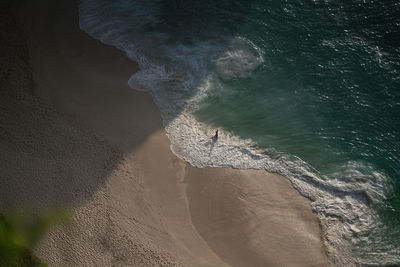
74, 135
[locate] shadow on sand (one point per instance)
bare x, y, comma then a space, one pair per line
47, 156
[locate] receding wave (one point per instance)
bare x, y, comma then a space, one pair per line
181, 74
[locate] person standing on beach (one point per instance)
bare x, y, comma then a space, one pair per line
216, 135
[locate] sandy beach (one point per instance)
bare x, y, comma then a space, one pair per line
74, 135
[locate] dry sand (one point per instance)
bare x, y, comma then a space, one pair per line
73, 134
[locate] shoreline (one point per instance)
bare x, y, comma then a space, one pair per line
139, 204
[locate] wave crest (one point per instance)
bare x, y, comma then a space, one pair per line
181, 75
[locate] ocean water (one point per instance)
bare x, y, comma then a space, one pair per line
307, 89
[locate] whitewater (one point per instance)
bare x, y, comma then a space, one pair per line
181, 75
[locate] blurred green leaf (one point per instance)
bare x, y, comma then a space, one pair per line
20, 231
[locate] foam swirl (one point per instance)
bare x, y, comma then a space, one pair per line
180, 75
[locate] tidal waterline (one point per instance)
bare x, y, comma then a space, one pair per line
328, 91
313, 81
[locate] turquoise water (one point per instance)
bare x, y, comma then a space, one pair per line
328, 91
317, 82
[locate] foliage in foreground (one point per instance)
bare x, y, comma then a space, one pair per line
19, 232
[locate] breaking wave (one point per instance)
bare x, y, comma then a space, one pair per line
181, 74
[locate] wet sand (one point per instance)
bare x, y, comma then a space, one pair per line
76, 136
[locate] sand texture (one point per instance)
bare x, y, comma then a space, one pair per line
74, 135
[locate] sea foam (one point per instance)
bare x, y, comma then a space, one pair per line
179, 76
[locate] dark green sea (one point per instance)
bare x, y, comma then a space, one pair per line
308, 89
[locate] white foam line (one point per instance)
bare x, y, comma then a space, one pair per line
343, 205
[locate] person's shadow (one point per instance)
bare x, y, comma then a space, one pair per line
213, 141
